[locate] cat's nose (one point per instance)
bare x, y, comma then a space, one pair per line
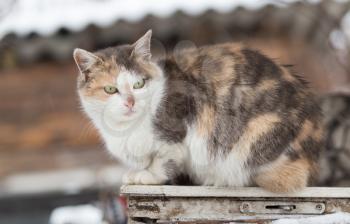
130, 102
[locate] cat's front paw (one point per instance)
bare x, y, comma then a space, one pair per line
143, 177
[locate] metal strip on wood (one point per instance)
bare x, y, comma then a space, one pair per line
182, 204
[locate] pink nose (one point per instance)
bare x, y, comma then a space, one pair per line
130, 102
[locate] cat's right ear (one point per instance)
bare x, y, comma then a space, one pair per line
85, 60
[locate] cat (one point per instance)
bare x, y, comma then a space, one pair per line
222, 115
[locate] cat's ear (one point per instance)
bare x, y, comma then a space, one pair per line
85, 60
142, 47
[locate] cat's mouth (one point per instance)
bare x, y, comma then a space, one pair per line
130, 112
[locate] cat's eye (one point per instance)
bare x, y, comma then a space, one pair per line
110, 89
139, 84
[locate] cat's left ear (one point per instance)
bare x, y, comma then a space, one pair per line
142, 47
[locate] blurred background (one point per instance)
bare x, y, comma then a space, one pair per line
53, 167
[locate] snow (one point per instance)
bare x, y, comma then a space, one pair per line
88, 214
336, 218
338, 39
47, 16
68, 181
345, 25
81, 214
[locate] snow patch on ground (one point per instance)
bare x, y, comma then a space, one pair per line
345, 25
69, 181
336, 218
82, 214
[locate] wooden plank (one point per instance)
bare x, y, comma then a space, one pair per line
204, 191
184, 209
200, 204
180, 210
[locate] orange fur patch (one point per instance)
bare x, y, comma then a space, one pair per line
284, 175
267, 85
308, 129
223, 81
103, 75
287, 75
205, 122
318, 133
305, 132
260, 125
256, 127
222, 76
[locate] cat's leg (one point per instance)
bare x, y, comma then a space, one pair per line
143, 177
165, 165
284, 175
152, 175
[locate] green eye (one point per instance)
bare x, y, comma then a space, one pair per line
110, 89
139, 84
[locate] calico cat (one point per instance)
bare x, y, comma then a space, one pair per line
224, 115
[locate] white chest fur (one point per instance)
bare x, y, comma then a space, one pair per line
134, 145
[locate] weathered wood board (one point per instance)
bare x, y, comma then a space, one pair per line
199, 204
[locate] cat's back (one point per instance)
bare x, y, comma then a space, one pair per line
229, 85
222, 66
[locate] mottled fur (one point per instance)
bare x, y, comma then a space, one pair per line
223, 115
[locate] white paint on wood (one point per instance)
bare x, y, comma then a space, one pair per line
205, 191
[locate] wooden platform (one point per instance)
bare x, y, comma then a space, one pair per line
197, 204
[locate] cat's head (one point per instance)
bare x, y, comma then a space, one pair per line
116, 85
